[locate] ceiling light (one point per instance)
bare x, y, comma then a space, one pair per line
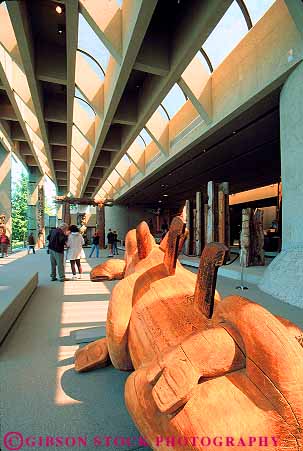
59, 9
61, 29
160, 201
165, 195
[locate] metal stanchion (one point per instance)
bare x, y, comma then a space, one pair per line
242, 286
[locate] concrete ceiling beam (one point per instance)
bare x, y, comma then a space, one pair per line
194, 29
20, 22
7, 141
105, 18
50, 64
25, 136
31, 161
17, 133
204, 111
103, 160
7, 112
57, 134
125, 178
72, 19
59, 153
151, 61
136, 18
139, 165
24, 148
55, 109
127, 113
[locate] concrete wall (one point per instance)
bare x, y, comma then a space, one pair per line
122, 218
5, 188
284, 277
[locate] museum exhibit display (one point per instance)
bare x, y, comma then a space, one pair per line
193, 354
169, 132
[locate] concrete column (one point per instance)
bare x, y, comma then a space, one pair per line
284, 277
35, 182
5, 190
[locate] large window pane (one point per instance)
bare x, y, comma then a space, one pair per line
227, 34
257, 8
90, 43
174, 100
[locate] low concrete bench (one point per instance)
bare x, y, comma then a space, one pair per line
15, 291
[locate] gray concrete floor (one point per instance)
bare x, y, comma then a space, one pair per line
228, 286
41, 393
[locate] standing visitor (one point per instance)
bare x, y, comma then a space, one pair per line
74, 245
4, 243
40, 241
96, 241
57, 240
31, 243
110, 240
115, 243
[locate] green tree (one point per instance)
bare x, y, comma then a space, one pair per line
19, 208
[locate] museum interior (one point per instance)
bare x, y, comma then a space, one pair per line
171, 134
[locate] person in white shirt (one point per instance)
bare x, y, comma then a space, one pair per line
74, 250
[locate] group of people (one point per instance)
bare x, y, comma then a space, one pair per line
112, 241
69, 237
58, 239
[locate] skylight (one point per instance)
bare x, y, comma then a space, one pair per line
258, 8
227, 34
145, 136
89, 42
203, 61
174, 100
82, 102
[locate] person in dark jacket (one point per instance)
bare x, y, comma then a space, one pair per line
57, 240
115, 243
31, 243
110, 240
96, 240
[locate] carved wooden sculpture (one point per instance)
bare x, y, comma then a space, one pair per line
239, 373
242, 378
141, 255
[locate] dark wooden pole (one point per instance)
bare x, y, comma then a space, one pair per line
101, 225
66, 213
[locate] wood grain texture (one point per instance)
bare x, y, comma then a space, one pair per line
238, 373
